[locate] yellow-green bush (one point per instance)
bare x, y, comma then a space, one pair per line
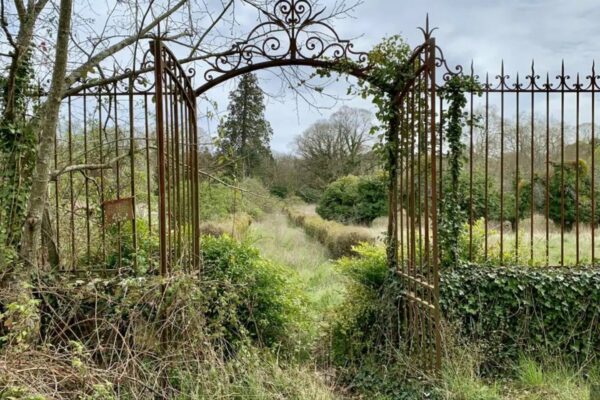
218, 201
234, 225
338, 238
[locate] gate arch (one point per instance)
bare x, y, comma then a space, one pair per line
292, 34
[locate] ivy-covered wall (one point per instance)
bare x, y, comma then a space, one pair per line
511, 310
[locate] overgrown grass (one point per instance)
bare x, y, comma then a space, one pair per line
338, 238
255, 375
219, 202
288, 245
549, 379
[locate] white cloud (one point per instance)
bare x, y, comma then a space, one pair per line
484, 31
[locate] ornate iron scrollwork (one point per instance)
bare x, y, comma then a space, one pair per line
292, 30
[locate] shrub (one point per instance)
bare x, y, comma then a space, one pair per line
354, 199
91, 327
477, 196
308, 194
250, 296
366, 346
217, 201
562, 191
234, 225
279, 191
338, 238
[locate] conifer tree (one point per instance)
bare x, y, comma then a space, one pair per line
245, 134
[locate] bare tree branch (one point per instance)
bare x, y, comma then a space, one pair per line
83, 68
87, 167
210, 28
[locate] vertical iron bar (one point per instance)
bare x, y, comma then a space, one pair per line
132, 173
593, 142
158, 77
547, 169
532, 166
487, 153
148, 173
101, 128
117, 173
577, 171
87, 191
517, 177
471, 94
435, 264
502, 82
562, 166
71, 193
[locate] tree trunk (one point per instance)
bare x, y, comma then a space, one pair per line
16, 168
23, 43
30, 240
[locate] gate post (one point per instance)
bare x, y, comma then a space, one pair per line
393, 149
434, 209
160, 137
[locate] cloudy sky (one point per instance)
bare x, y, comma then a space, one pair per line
483, 31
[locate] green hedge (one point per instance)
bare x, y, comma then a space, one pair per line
506, 311
514, 310
353, 199
338, 238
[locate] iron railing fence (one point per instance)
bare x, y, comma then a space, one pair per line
124, 192
530, 183
103, 195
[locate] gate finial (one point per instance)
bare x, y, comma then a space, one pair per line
427, 31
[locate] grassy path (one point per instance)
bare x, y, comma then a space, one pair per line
290, 246
324, 287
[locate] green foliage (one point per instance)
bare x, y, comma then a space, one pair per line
18, 393
515, 310
354, 199
21, 321
563, 187
356, 330
245, 134
387, 74
248, 296
253, 374
475, 197
279, 191
218, 201
364, 335
309, 195
17, 149
338, 238
143, 260
507, 311
514, 211
451, 215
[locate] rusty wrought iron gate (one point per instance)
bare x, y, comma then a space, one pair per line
177, 142
414, 208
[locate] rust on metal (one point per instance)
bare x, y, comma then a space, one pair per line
118, 210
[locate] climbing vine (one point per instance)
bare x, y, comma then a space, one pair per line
452, 216
17, 149
388, 73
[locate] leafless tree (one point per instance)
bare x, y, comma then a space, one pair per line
336, 147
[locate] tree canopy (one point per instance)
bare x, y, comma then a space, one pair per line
245, 134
